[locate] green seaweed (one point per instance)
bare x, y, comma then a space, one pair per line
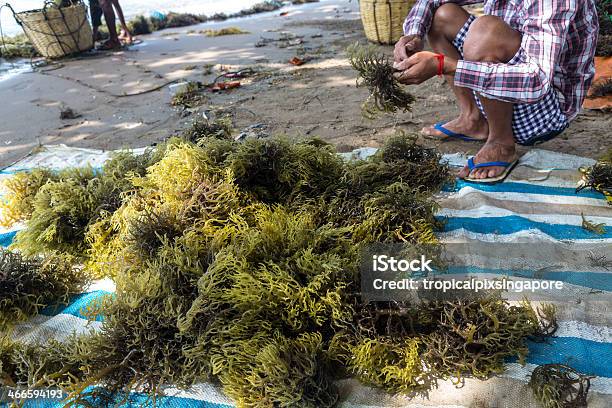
596, 228
27, 285
277, 171
239, 263
139, 25
189, 96
18, 46
223, 31
376, 73
598, 177
203, 128
17, 204
405, 347
62, 208
559, 386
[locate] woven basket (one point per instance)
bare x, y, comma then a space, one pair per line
57, 31
383, 20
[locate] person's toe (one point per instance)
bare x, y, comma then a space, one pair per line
430, 131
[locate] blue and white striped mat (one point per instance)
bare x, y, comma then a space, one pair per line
537, 206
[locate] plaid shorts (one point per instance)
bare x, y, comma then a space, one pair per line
531, 122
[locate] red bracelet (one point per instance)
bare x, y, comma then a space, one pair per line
440, 58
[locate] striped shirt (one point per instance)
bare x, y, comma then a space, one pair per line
559, 41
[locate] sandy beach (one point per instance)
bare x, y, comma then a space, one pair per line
318, 98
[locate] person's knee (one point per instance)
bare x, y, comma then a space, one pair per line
490, 39
448, 20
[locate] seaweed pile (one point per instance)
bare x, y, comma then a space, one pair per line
604, 42
224, 31
28, 285
202, 129
559, 386
376, 73
58, 207
598, 177
17, 47
239, 263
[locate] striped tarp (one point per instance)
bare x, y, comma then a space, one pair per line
536, 209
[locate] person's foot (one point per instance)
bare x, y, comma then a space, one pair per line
126, 37
110, 45
490, 152
97, 36
474, 128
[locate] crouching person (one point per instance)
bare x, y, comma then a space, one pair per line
520, 72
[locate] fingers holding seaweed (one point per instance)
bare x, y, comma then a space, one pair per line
406, 46
417, 69
376, 73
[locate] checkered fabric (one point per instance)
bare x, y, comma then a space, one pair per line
559, 38
531, 123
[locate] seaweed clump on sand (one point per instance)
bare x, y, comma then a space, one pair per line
559, 386
175, 20
189, 96
140, 25
27, 285
17, 47
598, 177
224, 31
231, 265
376, 73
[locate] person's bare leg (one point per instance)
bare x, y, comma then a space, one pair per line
500, 144
109, 16
447, 22
125, 32
490, 39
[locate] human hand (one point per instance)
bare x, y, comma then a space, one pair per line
417, 69
407, 46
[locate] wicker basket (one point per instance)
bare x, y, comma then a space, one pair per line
56, 32
383, 19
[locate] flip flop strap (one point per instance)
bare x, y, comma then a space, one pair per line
440, 126
473, 166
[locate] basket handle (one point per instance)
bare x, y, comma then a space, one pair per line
52, 4
8, 6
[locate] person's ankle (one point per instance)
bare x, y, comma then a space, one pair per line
471, 118
507, 147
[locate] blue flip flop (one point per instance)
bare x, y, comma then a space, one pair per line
440, 126
508, 168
